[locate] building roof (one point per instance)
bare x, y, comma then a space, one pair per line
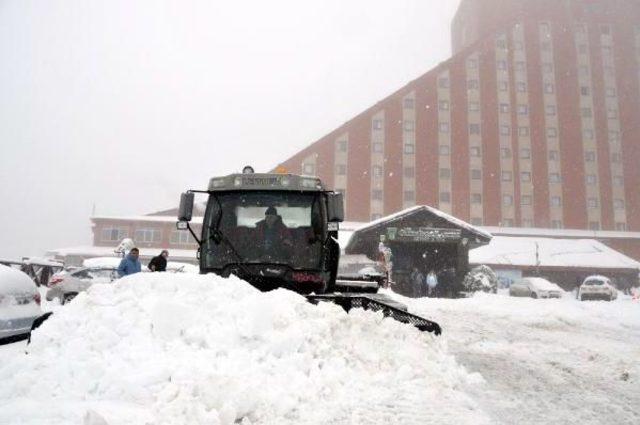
108, 251
145, 218
565, 253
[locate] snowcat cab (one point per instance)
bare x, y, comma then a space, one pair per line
280, 231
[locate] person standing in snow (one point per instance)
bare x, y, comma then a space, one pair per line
130, 263
432, 282
417, 279
159, 262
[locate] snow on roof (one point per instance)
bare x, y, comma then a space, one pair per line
146, 218
106, 251
14, 281
434, 211
566, 233
576, 253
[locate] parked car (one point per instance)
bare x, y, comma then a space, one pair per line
66, 285
597, 288
19, 304
535, 287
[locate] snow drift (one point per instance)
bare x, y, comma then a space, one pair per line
171, 349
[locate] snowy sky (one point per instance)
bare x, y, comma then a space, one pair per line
123, 104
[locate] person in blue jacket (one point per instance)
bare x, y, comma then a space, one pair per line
130, 264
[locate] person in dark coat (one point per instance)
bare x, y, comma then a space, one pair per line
273, 234
130, 264
159, 262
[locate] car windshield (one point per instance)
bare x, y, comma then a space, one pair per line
268, 228
594, 282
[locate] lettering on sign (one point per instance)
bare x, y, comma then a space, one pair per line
423, 234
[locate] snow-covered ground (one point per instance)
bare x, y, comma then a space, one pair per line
190, 349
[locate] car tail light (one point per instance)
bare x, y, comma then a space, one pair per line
55, 280
306, 277
37, 298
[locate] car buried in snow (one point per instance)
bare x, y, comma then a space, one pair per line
597, 288
19, 304
535, 287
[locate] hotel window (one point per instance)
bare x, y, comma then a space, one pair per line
525, 200
308, 169
443, 83
501, 44
341, 169
476, 174
409, 148
545, 45
472, 63
584, 91
547, 68
605, 29
552, 132
181, 237
521, 87
616, 158
554, 178
584, 71
618, 204
585, 112
614, 136
594, 225
505, 130
409, 196
376, 217
548, 88
444, 127
527, 223
409, 103
377, 147
523, 109
472, 84
525, 176
475, 151
590, 156
376, 194
517, 45
550, 109
507, 222
445, 173
474, 128
544, 27
588, 133
377, 171
506, 176
622, 227
582, 49
556, 201
592, 203
504, 108
377, 124
505, 153
113, 234
503, 86
519, 66
408, 125
443, 105
409, 172
618, 181
611, 92
502, 65
444, 150
525, 153
445, 197
591, 179
554, 155
507, 200
476, 198
474, 106
612, 113
342, 146
147, 235
475, 221
523, 131
556, 224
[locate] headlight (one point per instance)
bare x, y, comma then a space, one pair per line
237, 182
310, 183
217, 182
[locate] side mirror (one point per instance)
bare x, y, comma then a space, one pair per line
335, 207
185, 211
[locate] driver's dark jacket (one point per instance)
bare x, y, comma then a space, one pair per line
274, 236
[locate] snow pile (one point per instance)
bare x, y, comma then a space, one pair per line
170, 349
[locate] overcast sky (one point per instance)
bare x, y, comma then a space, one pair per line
123, 104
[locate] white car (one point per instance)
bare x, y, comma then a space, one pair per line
597, 288
66, 285
19, 304
535, 287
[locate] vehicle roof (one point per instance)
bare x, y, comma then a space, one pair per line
596, 277
541, 283
13, 281
266, 182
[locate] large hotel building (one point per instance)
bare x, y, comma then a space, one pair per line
534, 122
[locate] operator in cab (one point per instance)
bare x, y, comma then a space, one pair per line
274, 235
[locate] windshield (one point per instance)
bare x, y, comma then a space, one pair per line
594, 282
258, 227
